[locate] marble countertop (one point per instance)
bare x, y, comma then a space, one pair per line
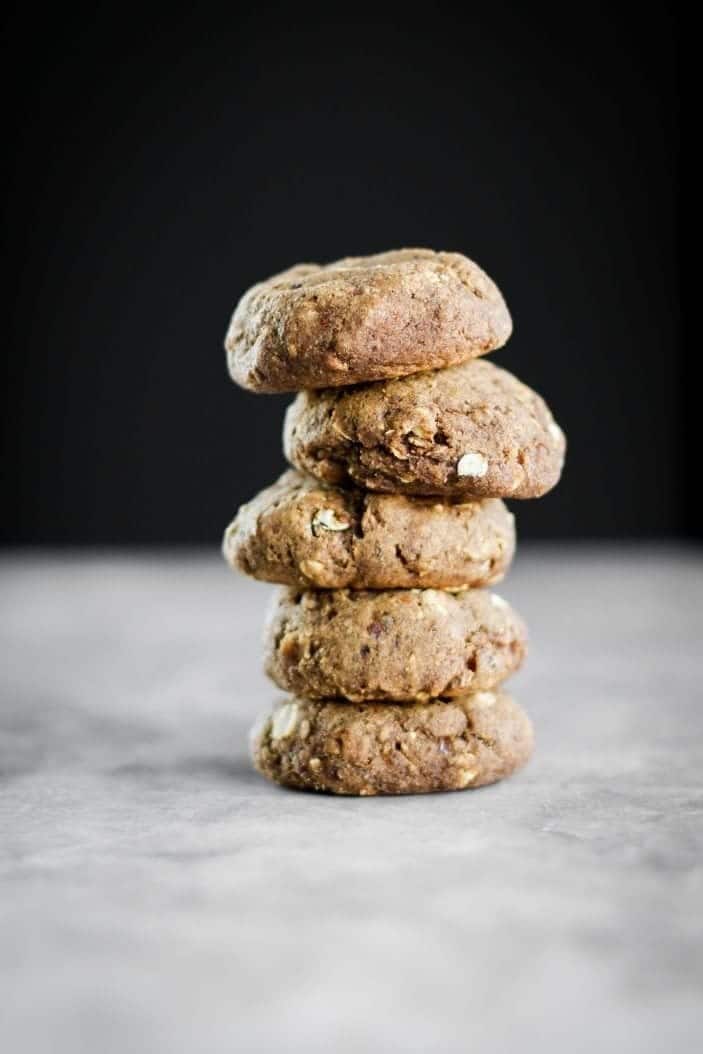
157, 895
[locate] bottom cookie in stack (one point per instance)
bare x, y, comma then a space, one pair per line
393, 748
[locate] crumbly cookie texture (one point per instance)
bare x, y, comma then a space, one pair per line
303, 533
472, 430
393, 748
364, 319
401, 645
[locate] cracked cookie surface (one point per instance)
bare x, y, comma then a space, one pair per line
364, 319
472, 430
393, 748
401, 645
303, 533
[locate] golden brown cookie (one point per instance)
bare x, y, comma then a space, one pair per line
472, 430
393, 748
303, 533
403, 645
363, 319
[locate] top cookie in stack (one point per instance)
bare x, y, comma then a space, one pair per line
404, 445
366, 318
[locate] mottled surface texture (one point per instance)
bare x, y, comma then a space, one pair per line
159, 895
472, 430
299, 532
389, 748
364, 319
399, 645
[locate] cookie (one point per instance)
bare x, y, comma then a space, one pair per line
303, 533
402, 645
363, 319
393, 748
471, 431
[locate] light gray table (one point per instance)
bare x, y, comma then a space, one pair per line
157, 895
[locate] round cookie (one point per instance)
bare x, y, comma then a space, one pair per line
363, 319
402, 645
472, 430
303, 533
393, 748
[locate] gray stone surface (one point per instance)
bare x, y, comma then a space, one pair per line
157, 895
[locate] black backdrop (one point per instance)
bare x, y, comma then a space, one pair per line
159, 167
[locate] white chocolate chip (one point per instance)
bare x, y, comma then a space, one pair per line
314, 764
472, 464
434, 600
314, 570
466, 776
327, 520
498, 602
482, 700
555, 431
284, 721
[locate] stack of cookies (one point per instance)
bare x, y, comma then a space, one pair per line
390, 525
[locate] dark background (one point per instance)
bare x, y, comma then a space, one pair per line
159, 167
